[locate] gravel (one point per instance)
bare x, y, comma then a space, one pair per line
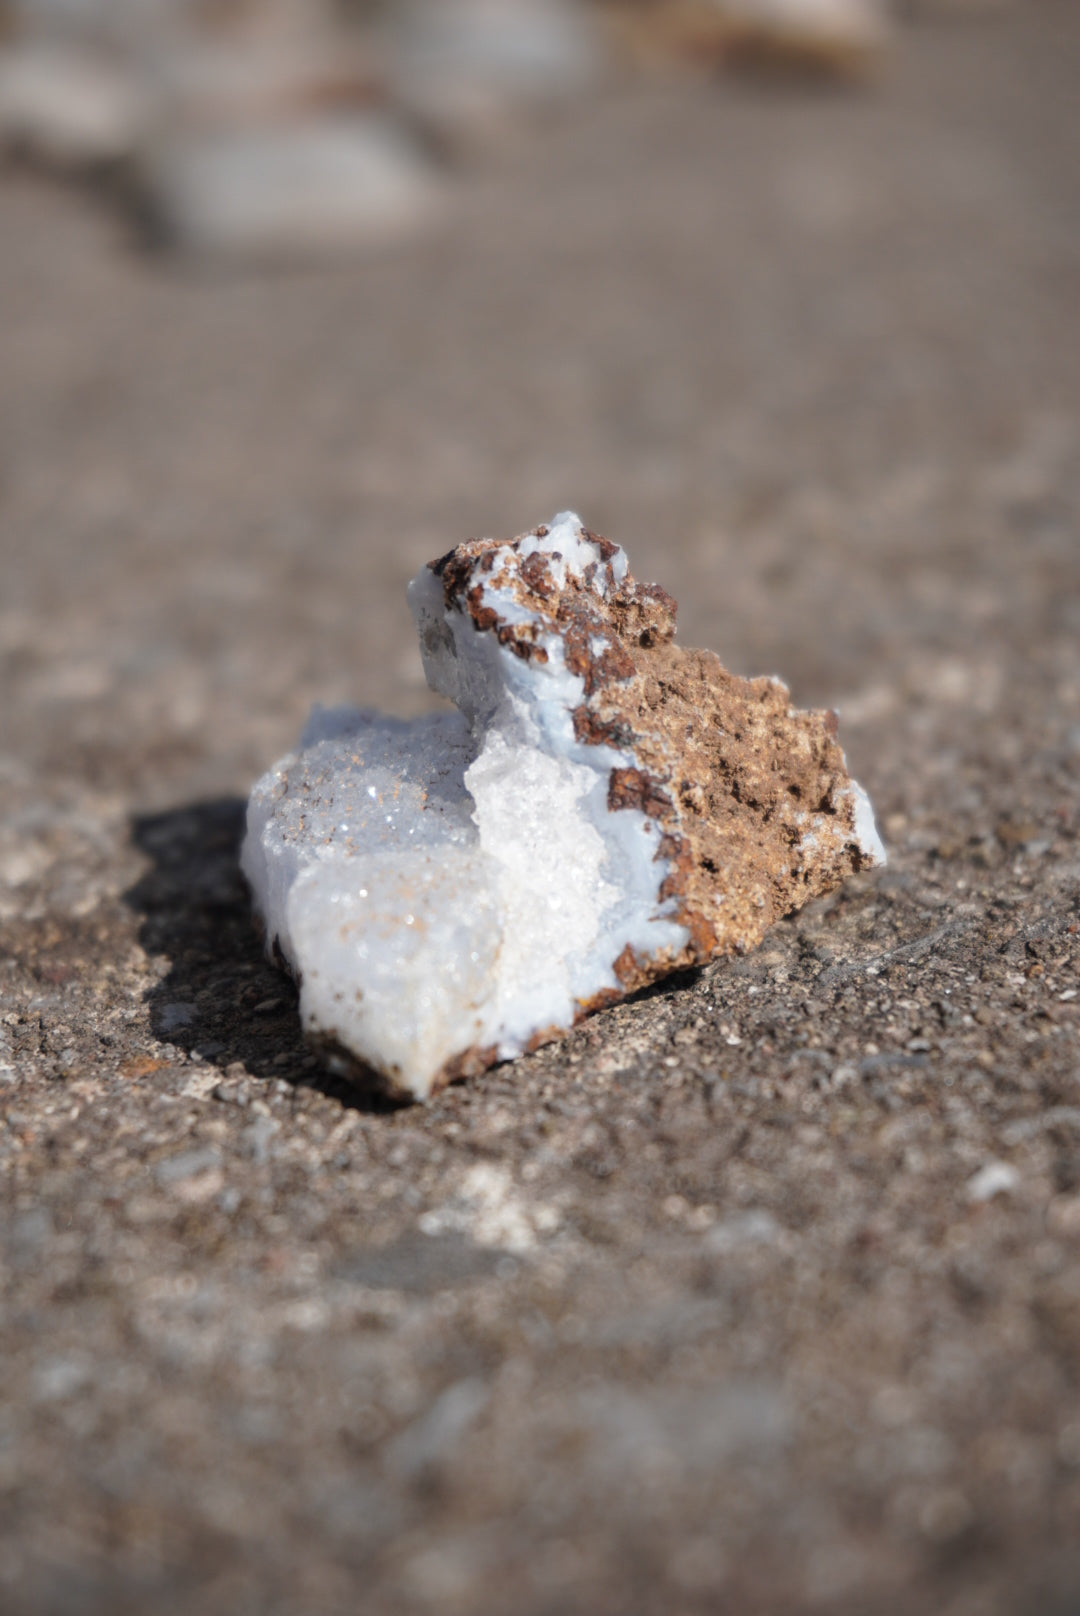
762, 1291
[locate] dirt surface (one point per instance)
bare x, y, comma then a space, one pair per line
761, 1293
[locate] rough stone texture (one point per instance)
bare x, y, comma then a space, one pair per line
603, 809
708, 1305
753, 800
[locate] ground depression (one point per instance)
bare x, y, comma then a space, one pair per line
603, 807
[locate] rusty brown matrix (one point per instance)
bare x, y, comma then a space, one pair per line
756, 810
602, 808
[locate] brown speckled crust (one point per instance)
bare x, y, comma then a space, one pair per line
337, 1058
759, 816
750, 798
596, 1001
546, 1035
470, 1063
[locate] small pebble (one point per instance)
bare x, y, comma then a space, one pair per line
995, 1178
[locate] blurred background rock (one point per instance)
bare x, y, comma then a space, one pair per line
290, 128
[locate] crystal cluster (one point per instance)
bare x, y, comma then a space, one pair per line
603, 807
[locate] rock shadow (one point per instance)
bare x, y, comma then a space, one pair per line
221, 1000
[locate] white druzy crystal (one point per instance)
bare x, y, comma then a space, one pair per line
456, 884
603, 807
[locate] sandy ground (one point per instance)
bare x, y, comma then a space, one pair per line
761, 1293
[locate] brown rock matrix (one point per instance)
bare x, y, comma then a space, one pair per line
603, 808
754, 806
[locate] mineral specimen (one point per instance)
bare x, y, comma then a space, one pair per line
602, 808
